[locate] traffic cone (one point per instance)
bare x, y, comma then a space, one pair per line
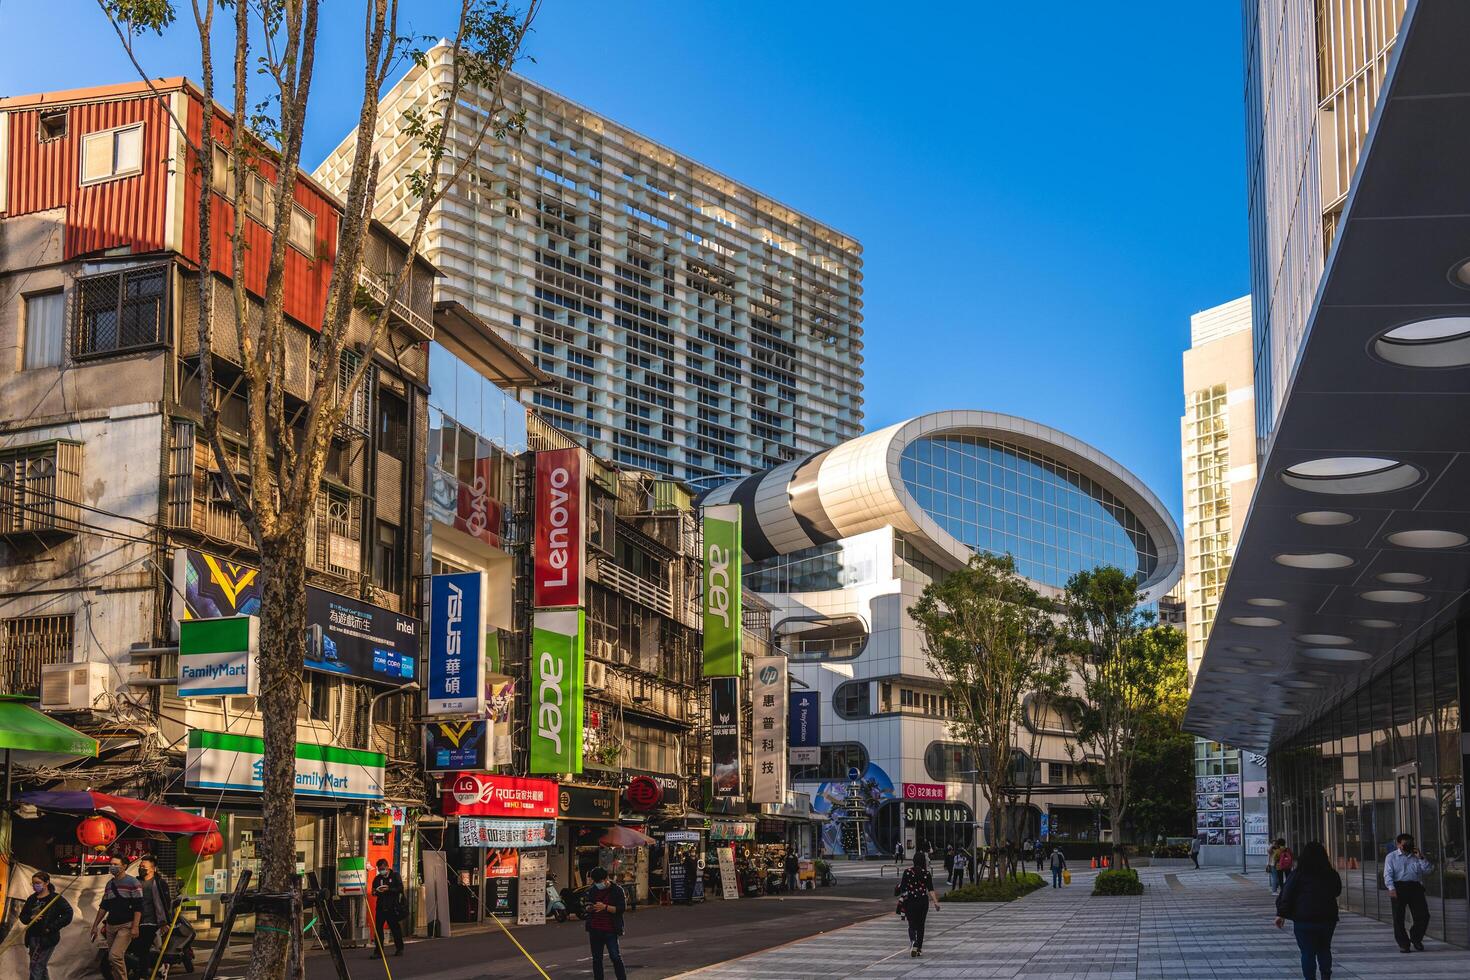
1094, 864
1105, 862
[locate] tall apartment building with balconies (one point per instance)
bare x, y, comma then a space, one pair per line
694, 326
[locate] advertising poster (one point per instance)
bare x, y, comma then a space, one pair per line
481, 795
560, 548
678, 882
804, 729
467, 507
457, 746
558, 664
456, 685
587, 803
721, 588
724, 706
768, 737
531, 907
498, 834
729, 886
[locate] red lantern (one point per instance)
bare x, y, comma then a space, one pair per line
207, 843
97, 833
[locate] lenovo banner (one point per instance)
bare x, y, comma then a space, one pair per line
804, 729
474, 794
768, 734
558, 658
560, 508
724, 706
457, 644
721, 587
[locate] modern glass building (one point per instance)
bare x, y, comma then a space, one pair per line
841, 543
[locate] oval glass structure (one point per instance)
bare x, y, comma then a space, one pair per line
1004, 499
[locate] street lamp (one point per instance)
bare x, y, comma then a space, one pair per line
373, 705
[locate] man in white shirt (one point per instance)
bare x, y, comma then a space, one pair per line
1404, 871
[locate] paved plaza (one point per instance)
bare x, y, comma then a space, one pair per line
1189, 924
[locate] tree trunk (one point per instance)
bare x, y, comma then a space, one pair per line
282, 651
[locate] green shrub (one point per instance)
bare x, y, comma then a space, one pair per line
1000, 890
1123, 881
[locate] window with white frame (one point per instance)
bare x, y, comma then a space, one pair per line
45, 324
112, 153
260, 199
303, 230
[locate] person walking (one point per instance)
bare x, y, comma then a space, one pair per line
119, 916
387, 893
1404, 871
156, 905
1273, 859
1040, 854
898, 853
1194, 843
949, 862
915, 891
1309, 900
605, 905
957, 873
791, 869
1058, 865
44, 914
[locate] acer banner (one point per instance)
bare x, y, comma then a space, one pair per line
768, 730
560, 510
457, 644
721, 587
724, 706
558, 655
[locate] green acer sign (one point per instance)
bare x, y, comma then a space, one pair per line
722, 591
558, 666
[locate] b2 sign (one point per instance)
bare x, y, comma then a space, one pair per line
722, 590
559, 548
557, 665
218, 656
456, 644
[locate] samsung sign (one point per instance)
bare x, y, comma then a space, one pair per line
457, 643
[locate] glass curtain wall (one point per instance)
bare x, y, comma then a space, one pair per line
1386, 760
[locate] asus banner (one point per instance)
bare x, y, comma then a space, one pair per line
768, 732
721, 589
561, 507
558, 666
724, 706
457, 646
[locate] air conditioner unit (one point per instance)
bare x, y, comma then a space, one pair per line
74, 687
596, 675
607, 650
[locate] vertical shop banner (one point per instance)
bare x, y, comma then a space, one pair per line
724, 708
561, 507
804, 729
558, 658
531, 904
721, 588
768, 735
729, 885
457, 643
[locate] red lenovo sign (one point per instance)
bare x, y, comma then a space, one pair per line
560, 502
474, 794
923, 791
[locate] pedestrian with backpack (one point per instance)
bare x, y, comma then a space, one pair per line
1058, 866
43, 916
605, 904
915, 891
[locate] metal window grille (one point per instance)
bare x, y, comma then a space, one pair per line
120, 311
335, 534
357, 419
40, 486
29, 643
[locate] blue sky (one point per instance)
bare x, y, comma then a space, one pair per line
1044, 192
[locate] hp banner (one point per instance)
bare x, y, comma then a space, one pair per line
724, 706
722, 591
805, 729
768, 738
558, 654
457, 644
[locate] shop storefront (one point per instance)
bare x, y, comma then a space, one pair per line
490, 821
585, 813
931, 824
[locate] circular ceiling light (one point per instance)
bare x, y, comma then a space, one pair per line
1377, 624
1438, 342
1244, 649
1336, 654
1325, 518
1254, 621
1350, 474
1318, 559
1266, 603
1401, 578
1300, 685
1402, 596
1261, 663
1323, 639
1232, 670
1428, 539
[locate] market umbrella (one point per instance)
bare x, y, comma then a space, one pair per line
135, 813
624, 837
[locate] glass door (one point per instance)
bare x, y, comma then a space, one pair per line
1406, 800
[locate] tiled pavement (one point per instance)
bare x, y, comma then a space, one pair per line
1190, 925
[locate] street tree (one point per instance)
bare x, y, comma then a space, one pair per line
272, 44
990, 639
1162, 782
1118, 661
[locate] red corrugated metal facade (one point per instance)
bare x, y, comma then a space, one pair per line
132, 211
125, 211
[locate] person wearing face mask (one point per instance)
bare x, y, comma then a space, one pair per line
1404, 871
44, 914
605, 904
388, 908
119, 916
156, 905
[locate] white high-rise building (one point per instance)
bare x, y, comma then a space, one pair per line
694, 326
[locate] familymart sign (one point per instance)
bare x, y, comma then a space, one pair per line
219, 760
218, 656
